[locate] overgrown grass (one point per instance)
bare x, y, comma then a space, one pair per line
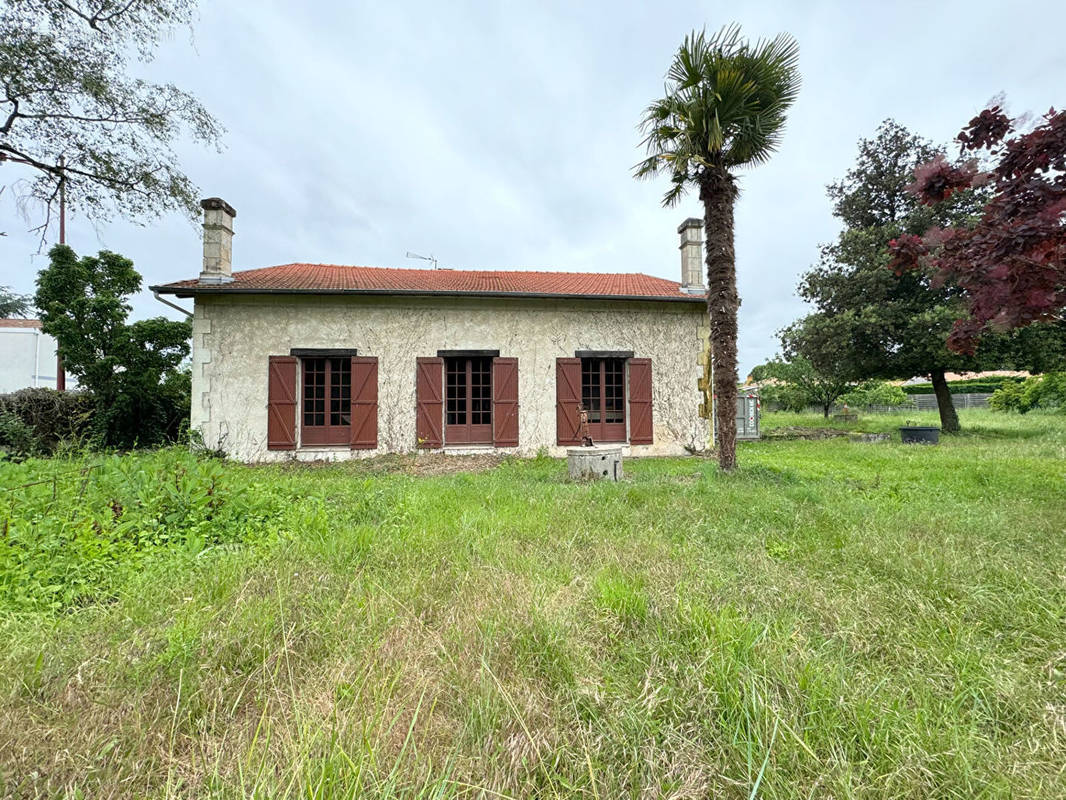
836, 619
75, 529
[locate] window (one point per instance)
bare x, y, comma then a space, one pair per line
327, 401
603, 395
468, 400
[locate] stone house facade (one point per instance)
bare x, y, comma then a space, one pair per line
313, 361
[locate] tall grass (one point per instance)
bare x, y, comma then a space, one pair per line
75, 529
836, 619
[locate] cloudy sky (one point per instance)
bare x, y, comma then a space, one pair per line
503, 135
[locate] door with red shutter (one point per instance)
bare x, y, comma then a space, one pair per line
468, 399
603, 395
429, 402
567, 401
364, 402
640, 421
281, 402
505, 402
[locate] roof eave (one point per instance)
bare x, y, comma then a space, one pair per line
193, 291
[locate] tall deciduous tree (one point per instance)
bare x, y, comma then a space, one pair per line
13, 304
881, 325
71, 110
724, 109
1011, 263
132, 370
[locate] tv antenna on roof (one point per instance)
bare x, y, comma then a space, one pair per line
424, 258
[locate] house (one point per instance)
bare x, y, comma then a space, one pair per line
28, 357
318, 361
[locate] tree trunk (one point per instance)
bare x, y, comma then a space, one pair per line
949, 418
826, 408
718, 193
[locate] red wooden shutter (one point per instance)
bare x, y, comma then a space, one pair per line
505, 402
429, 402
640, 401
364, 402
281, 402
567, 400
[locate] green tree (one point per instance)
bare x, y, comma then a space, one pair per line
133, 371
71, 110
874, 393
877, 324
724, 110
797, 383
1040, 391
13, 304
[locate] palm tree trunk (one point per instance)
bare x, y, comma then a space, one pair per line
949, 417
718, 193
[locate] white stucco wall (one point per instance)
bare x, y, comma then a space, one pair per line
233, 336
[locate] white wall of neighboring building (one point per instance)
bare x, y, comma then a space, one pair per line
233, 337
27, 357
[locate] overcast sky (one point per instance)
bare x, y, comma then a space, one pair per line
503, 135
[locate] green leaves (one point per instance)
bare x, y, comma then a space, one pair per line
873, 323
724, 107
71, 110
797, 383
111, 514
13, 304
132, 370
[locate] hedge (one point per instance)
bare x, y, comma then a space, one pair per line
968, 386
38, 421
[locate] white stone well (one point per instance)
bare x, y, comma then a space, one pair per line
598, 462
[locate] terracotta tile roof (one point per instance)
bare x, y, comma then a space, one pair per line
333, 278
20, 323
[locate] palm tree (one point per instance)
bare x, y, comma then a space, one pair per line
724, 109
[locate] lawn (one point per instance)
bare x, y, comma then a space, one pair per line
836, 619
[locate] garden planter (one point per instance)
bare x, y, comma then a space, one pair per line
919, 434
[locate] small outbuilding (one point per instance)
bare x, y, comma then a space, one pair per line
28, 357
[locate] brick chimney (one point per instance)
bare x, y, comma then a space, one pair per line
691, 231
218, 241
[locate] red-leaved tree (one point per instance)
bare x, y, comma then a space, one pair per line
1012, 262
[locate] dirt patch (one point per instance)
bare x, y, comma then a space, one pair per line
409, 464
798, 432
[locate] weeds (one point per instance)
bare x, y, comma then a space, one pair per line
837, 619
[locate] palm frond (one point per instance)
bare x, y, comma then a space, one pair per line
725, 105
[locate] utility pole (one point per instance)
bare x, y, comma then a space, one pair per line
62, 201
61, 373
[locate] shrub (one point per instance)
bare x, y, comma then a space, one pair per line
147, 412
38, 421
783, 397
875, 393
967, 386
1007, 397
1047, 392
16, 437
